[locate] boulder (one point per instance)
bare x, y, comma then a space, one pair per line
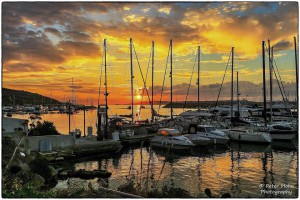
53, 171
37, 180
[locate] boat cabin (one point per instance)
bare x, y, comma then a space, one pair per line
168, 132
193, 129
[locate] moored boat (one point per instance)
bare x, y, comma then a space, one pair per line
215, 135
249, 135
282, 132
171, 139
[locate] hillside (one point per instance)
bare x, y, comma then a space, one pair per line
20, 97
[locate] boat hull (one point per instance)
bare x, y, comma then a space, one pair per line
243, 136
282, 134
197, 140
215, 139
171, 146
171, 143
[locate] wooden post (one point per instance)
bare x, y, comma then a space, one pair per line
84, 120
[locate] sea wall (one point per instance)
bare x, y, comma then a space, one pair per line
33, 142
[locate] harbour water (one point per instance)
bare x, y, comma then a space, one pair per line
61, 120
243, 170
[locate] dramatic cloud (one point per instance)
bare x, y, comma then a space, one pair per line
59, 40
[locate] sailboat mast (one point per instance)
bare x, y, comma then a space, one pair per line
238, 95
198, 80
152, 108
105, 94
131, 80
297, 78
72, 97
264, 82
69, 115
271, 82
171, 68
232, 57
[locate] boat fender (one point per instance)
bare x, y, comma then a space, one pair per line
239, 136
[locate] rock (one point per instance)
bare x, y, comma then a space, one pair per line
226, 195
63, 173
37, 180
208, 192
60, 169
59, 158
53, 171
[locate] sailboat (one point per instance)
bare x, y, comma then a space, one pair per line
243, 133
136, 131
282, 130
198, 112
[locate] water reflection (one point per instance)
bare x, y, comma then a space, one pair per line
243, 170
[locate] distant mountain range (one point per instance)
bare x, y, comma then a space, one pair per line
20, 97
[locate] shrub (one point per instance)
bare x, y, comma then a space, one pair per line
45, 128
170, 192
40, 166
27, 192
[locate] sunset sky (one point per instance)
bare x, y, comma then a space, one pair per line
45, 45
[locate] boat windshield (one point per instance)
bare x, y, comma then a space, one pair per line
210, 129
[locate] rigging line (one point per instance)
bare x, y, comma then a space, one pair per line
146, 76
162, 88
284, 100
223, 80
279, 78
187, 93
141, 72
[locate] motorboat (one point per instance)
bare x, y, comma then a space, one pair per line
171, 139
210, 132
247, 134
197, 140
281, 131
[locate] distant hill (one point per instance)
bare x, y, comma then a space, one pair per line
20, 97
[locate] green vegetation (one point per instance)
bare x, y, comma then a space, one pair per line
45, 128
27, 191
20, 97
40, 166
